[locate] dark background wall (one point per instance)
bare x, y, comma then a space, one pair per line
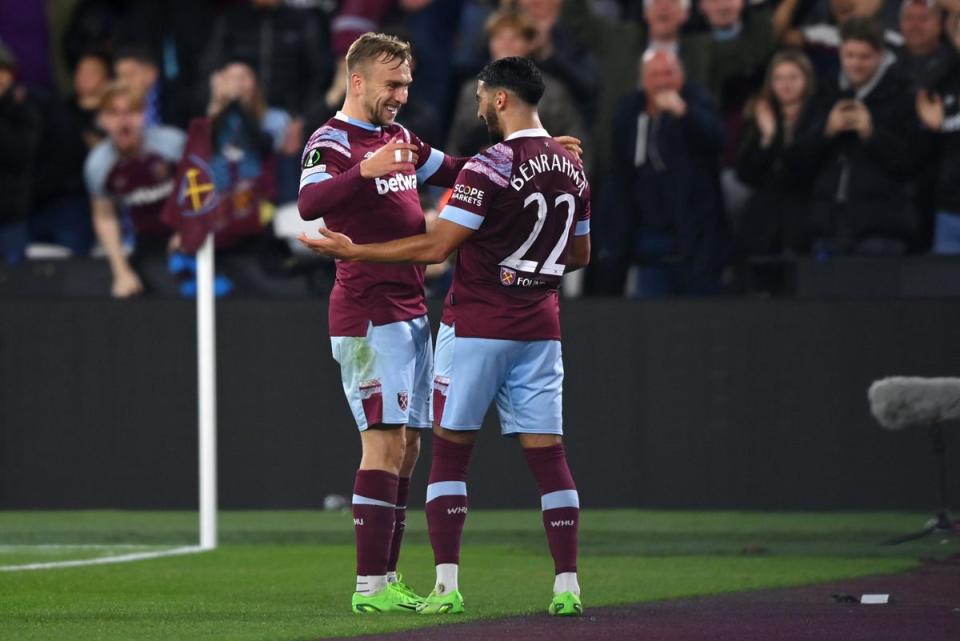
709, 404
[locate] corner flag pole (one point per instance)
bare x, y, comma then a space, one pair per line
207, 387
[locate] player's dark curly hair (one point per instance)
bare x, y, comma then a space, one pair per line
517, 75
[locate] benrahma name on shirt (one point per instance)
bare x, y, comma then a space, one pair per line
539, 164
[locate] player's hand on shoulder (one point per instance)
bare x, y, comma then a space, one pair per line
571, 144
396, 156
333, 244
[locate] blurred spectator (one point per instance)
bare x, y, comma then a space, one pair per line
926, 55
558, 52
664, 20
939, 110
19, 135
470, 50
136, 66
129, 176
953, 23
432, 28
863, 143
511, 33
419, 113
92, 27
664, 207
90, 79
177, 33
61, 207
246, 135
741, 43
619, 46
237, 81
290, 48
354, 18
774, 216
227, 176
820, 41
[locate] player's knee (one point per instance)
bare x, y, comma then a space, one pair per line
464, 438
539, 440
412, 444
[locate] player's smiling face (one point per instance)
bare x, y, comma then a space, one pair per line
385, 87
487, 112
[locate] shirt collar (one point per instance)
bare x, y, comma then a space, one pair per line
369, 126
536, 132
730, 33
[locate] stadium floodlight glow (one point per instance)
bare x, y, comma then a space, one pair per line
207, 394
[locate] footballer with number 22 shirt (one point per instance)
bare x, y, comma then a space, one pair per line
520, 217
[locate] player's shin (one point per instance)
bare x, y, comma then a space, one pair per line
400, 519
446, 509
374, 504
561, 511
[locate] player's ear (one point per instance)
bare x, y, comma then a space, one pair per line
356, 81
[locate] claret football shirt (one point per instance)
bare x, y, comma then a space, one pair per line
369, 211
526, 198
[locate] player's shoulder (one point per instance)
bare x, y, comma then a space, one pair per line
98, 164
496, 163
396, 130
168, 142
330, 135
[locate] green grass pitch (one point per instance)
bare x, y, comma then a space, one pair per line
285, 576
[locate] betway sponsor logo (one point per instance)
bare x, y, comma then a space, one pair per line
457, 510
565, 523
400, 182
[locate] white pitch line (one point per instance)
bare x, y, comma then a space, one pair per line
123, 558
75, 546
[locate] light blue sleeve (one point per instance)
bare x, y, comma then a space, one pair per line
275, 123
169, 142
96, 168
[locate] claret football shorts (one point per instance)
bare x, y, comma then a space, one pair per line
525, 378
386, 374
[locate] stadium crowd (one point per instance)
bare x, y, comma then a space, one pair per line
715, 131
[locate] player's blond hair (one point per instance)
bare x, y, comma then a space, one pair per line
372, 47
117, 90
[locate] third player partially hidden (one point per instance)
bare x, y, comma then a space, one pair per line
520, 216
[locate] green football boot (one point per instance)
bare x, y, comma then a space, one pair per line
450, 603
565, 604
406, 589
390, 599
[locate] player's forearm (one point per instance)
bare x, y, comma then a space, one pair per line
447, 172
426, 249
107, 228
315, 199
579, 255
